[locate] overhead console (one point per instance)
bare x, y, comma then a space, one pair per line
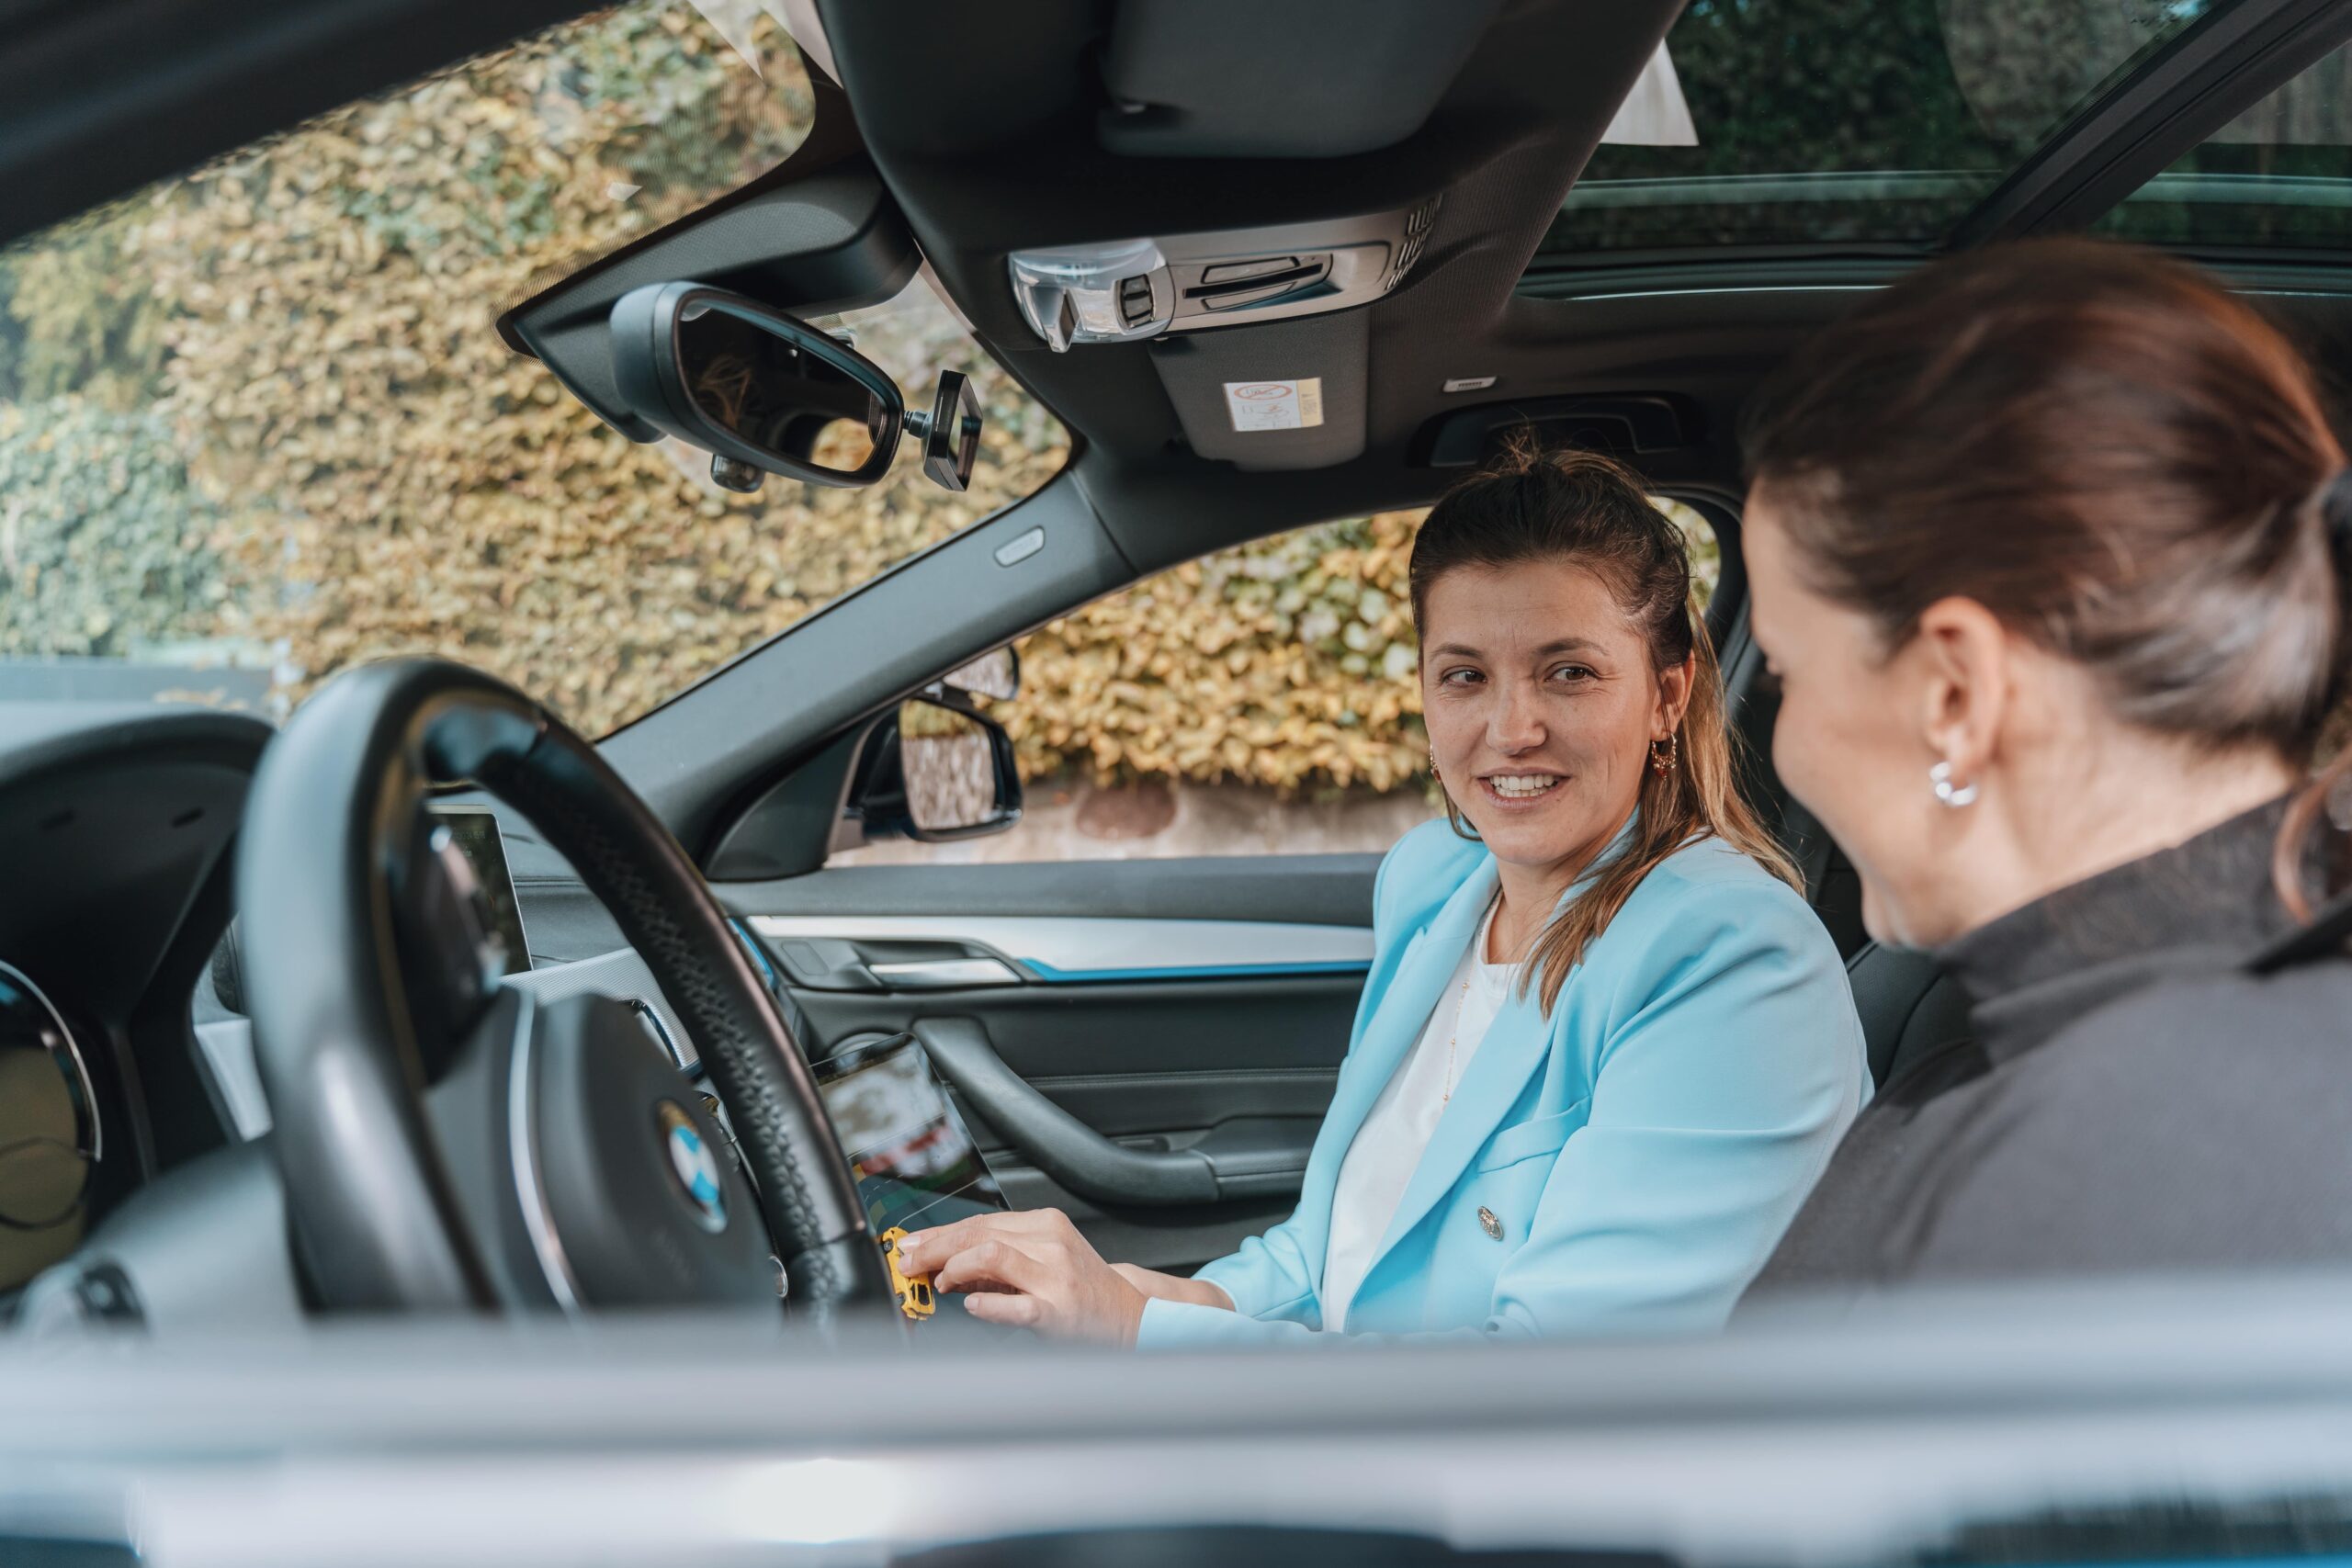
1123, 291
1289, 395
1635, 425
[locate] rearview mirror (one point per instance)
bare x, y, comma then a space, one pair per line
762, 391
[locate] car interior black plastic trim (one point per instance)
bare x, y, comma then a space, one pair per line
99, 97
1630, 423
1319, 889
1052, 1139
1220, 78
942, 606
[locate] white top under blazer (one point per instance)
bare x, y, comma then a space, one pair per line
1389, 1145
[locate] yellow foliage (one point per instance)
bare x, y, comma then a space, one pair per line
375, 471
1287, 662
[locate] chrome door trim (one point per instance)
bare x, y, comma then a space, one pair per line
945, 974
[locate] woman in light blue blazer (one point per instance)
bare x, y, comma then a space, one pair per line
1605, 1048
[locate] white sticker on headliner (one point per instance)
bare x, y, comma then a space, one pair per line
1276, 405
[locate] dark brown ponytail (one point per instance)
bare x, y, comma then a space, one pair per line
1582, 507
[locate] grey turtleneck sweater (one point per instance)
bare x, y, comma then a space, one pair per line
2134, 1100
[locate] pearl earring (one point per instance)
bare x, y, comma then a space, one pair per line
1952, 794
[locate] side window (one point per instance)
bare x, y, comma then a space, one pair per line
2276, 178
1262, 699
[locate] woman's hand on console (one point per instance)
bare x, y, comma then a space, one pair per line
1032, 1270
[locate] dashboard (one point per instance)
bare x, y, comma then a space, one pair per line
115, 826
51, 1136
124, 1054
137, 1181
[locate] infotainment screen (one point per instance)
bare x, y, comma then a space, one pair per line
917, 1165
474, 830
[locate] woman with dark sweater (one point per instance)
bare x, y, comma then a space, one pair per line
2047, 546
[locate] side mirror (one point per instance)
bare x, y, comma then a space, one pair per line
762, 391
995, 674
938, 771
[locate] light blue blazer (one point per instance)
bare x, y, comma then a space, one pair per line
1642, 1149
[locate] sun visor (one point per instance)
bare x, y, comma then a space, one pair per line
1284, 395
1243, 79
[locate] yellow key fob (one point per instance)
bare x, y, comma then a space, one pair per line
914, 1294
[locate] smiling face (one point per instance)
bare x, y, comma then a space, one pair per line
1542, 707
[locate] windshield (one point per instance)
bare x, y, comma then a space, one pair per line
256, 424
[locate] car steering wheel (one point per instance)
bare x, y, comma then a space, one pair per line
451, 1142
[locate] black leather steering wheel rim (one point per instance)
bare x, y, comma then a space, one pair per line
333, 807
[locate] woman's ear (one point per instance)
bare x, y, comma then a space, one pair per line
1963, 654
1673, 696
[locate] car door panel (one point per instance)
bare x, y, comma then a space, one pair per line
1237, 1158
1228, 1066
1156, 1041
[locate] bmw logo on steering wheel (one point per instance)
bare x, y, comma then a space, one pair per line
693, 1164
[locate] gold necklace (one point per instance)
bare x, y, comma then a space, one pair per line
1462, 1002
1459, 1004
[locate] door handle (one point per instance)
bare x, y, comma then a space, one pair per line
944, 974
1073, 1154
